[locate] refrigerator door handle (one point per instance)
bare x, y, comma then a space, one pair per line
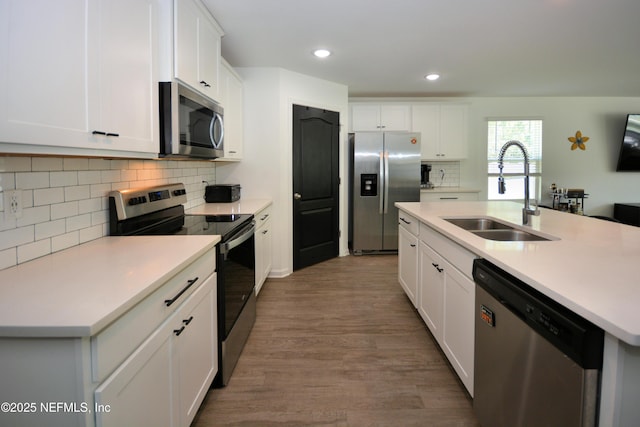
386, 182
383, 177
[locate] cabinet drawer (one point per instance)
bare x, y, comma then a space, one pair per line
111, 346
448, 196
458, 256
409, 222
263, 216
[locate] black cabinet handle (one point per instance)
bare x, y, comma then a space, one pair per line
205, 84
437, 266
412, 245
187, 321
178, 331
99, 132
405, 221
190, 283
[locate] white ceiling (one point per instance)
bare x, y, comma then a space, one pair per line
480, 47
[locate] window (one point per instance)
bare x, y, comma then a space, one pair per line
529, 133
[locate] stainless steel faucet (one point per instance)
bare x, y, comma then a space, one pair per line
526, 211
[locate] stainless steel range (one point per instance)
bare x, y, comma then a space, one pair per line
159, 210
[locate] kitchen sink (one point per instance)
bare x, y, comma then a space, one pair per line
491, 229
506, 235
478, 224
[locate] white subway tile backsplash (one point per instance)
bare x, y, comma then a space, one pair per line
48, 196
31, 180
15, 164
65, 200
75, 164
48, 229
65, 241
66, 209
63, 179
78, 222
89, 177
76, 192
34, 215
8, 258
46, 164
88, 205
91, 233
34, 250
16, 237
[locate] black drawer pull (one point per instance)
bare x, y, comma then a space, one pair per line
204, 83
190, 283
178, 331
97, 132
187, 321
437, 266
113, 134
405, 221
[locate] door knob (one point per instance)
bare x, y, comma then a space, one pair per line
297, 196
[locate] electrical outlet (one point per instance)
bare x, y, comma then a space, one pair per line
13, 203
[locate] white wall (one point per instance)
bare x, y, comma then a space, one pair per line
602, 119
266, 169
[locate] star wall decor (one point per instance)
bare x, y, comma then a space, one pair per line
578, 141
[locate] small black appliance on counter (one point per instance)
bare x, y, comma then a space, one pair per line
222, 193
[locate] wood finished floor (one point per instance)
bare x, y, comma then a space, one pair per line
339, 344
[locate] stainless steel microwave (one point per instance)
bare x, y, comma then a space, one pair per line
191, 125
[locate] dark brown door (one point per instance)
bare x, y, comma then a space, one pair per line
315, 185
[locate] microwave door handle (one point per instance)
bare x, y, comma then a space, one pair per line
244, 236
216, 118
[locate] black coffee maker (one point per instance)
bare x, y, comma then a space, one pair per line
424, 176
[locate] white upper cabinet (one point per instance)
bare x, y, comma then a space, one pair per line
380, 117
78, 75
443, 128
197, 47
231, 97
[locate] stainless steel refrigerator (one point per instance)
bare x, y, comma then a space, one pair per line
385, 168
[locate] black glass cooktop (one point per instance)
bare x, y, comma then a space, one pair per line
223, 225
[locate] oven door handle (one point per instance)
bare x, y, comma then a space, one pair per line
243, 236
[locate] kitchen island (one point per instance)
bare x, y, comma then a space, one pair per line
587, 265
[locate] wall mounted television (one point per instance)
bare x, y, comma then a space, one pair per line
629, 159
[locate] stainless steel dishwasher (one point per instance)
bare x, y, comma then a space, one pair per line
536, 362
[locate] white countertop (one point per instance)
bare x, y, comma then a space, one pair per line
242, 206
79, 291
592, 269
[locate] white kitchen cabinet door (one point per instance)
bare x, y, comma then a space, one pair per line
73, 68
124, 76
408, 263
139, 392
231, 97
443, 129
380, 117
264, 246
43, 80
196, 47
195, 350
431, 290
458, 323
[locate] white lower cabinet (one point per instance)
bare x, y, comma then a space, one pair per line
446, 298
431, 289
264, 246
165, 380
151, 366
408, 257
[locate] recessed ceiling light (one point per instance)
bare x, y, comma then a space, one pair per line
432, 76
321, 53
